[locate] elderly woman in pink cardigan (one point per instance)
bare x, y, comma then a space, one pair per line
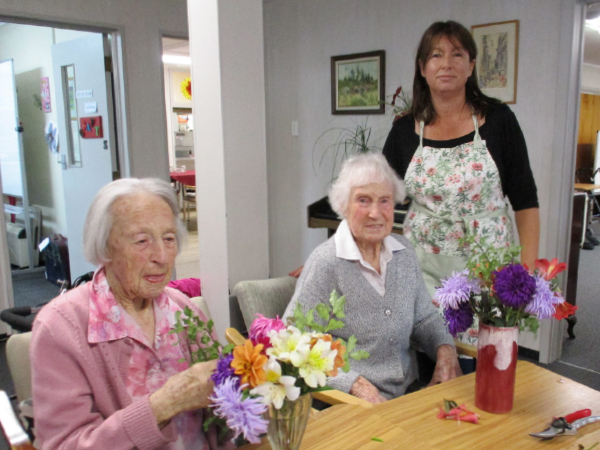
107, 374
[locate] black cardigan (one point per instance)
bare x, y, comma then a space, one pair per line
504, 140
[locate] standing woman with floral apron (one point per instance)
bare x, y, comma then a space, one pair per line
460, 154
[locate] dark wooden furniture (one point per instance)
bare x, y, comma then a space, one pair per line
578, 225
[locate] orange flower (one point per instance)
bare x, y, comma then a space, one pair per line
564, 310
550, 268
249, 363
338, 362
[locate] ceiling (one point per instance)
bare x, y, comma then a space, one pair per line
179, 47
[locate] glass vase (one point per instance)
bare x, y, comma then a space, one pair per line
287, 424
496, 367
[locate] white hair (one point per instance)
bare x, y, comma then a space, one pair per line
362, 170
99, 220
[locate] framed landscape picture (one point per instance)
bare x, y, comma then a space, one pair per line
358, 83
498, 51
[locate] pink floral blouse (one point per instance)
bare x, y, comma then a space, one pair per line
151, 365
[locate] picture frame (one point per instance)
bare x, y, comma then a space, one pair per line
358, 83
497, 61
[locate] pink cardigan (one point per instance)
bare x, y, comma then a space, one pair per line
79, 396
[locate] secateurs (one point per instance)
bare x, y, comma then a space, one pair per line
567, 425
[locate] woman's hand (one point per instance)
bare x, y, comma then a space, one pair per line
297, 272
446, 367
186, 391
363, 388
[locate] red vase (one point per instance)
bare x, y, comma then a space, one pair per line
496, 367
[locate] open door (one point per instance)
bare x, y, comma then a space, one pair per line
85, 119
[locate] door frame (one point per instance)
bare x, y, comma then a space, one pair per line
121, 125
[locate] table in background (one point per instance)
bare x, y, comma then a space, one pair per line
410, 422
187, 178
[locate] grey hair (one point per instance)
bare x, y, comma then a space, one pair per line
99, 220
361, 170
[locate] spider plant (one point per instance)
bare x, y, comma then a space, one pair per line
349, 141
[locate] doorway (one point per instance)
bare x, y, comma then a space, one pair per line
53, 147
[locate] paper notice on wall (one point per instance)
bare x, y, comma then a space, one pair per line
91, 107
46, 102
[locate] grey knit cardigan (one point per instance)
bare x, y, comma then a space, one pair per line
388, 327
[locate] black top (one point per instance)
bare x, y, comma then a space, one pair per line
504, 140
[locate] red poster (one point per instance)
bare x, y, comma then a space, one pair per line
46, 102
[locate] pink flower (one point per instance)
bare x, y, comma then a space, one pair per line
436, 198
476, 198
431, 171
435, 250
259, 330
477, 166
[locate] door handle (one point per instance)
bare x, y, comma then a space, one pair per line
62, 160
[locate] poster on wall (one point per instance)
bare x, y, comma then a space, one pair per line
46, 102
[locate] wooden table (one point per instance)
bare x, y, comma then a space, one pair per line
410, 422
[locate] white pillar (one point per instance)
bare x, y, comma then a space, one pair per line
228, 95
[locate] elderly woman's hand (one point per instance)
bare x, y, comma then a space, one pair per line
446, 367
363, 388
186, 391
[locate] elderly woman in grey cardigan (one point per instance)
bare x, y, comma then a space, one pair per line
388, 308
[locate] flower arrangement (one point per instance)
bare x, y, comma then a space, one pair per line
186, 88
278, 362
401, 103
501, 292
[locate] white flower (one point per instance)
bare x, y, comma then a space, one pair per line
288, 344
275, 393
314, 361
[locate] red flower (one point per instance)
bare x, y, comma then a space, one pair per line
436, 198
550, 268
460, 414
477, 166
435, 250
564, 310
396, 94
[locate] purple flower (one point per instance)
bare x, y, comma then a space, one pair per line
242, 415
514, 285
456, 290
224, 370
459, 319
544, 301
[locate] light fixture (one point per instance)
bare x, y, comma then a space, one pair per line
176, 59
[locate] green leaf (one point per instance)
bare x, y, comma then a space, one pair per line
351, 344
360, 354
323, 311
449, 404
338, 303
376, 439
335, 325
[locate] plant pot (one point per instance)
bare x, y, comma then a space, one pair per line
496, 367
287, 424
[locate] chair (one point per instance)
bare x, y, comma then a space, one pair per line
268, 297
19, 365
189, 200
13, 431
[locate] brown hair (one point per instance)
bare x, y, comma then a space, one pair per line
422, 106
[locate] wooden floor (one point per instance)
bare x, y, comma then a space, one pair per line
187, 264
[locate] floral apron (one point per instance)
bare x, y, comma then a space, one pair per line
455, 192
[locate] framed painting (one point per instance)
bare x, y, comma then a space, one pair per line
358, 83
498, 49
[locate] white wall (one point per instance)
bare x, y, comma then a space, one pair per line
142, 24
300, 38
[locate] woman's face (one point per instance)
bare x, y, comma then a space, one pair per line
142, 246
448, 68
370, 212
